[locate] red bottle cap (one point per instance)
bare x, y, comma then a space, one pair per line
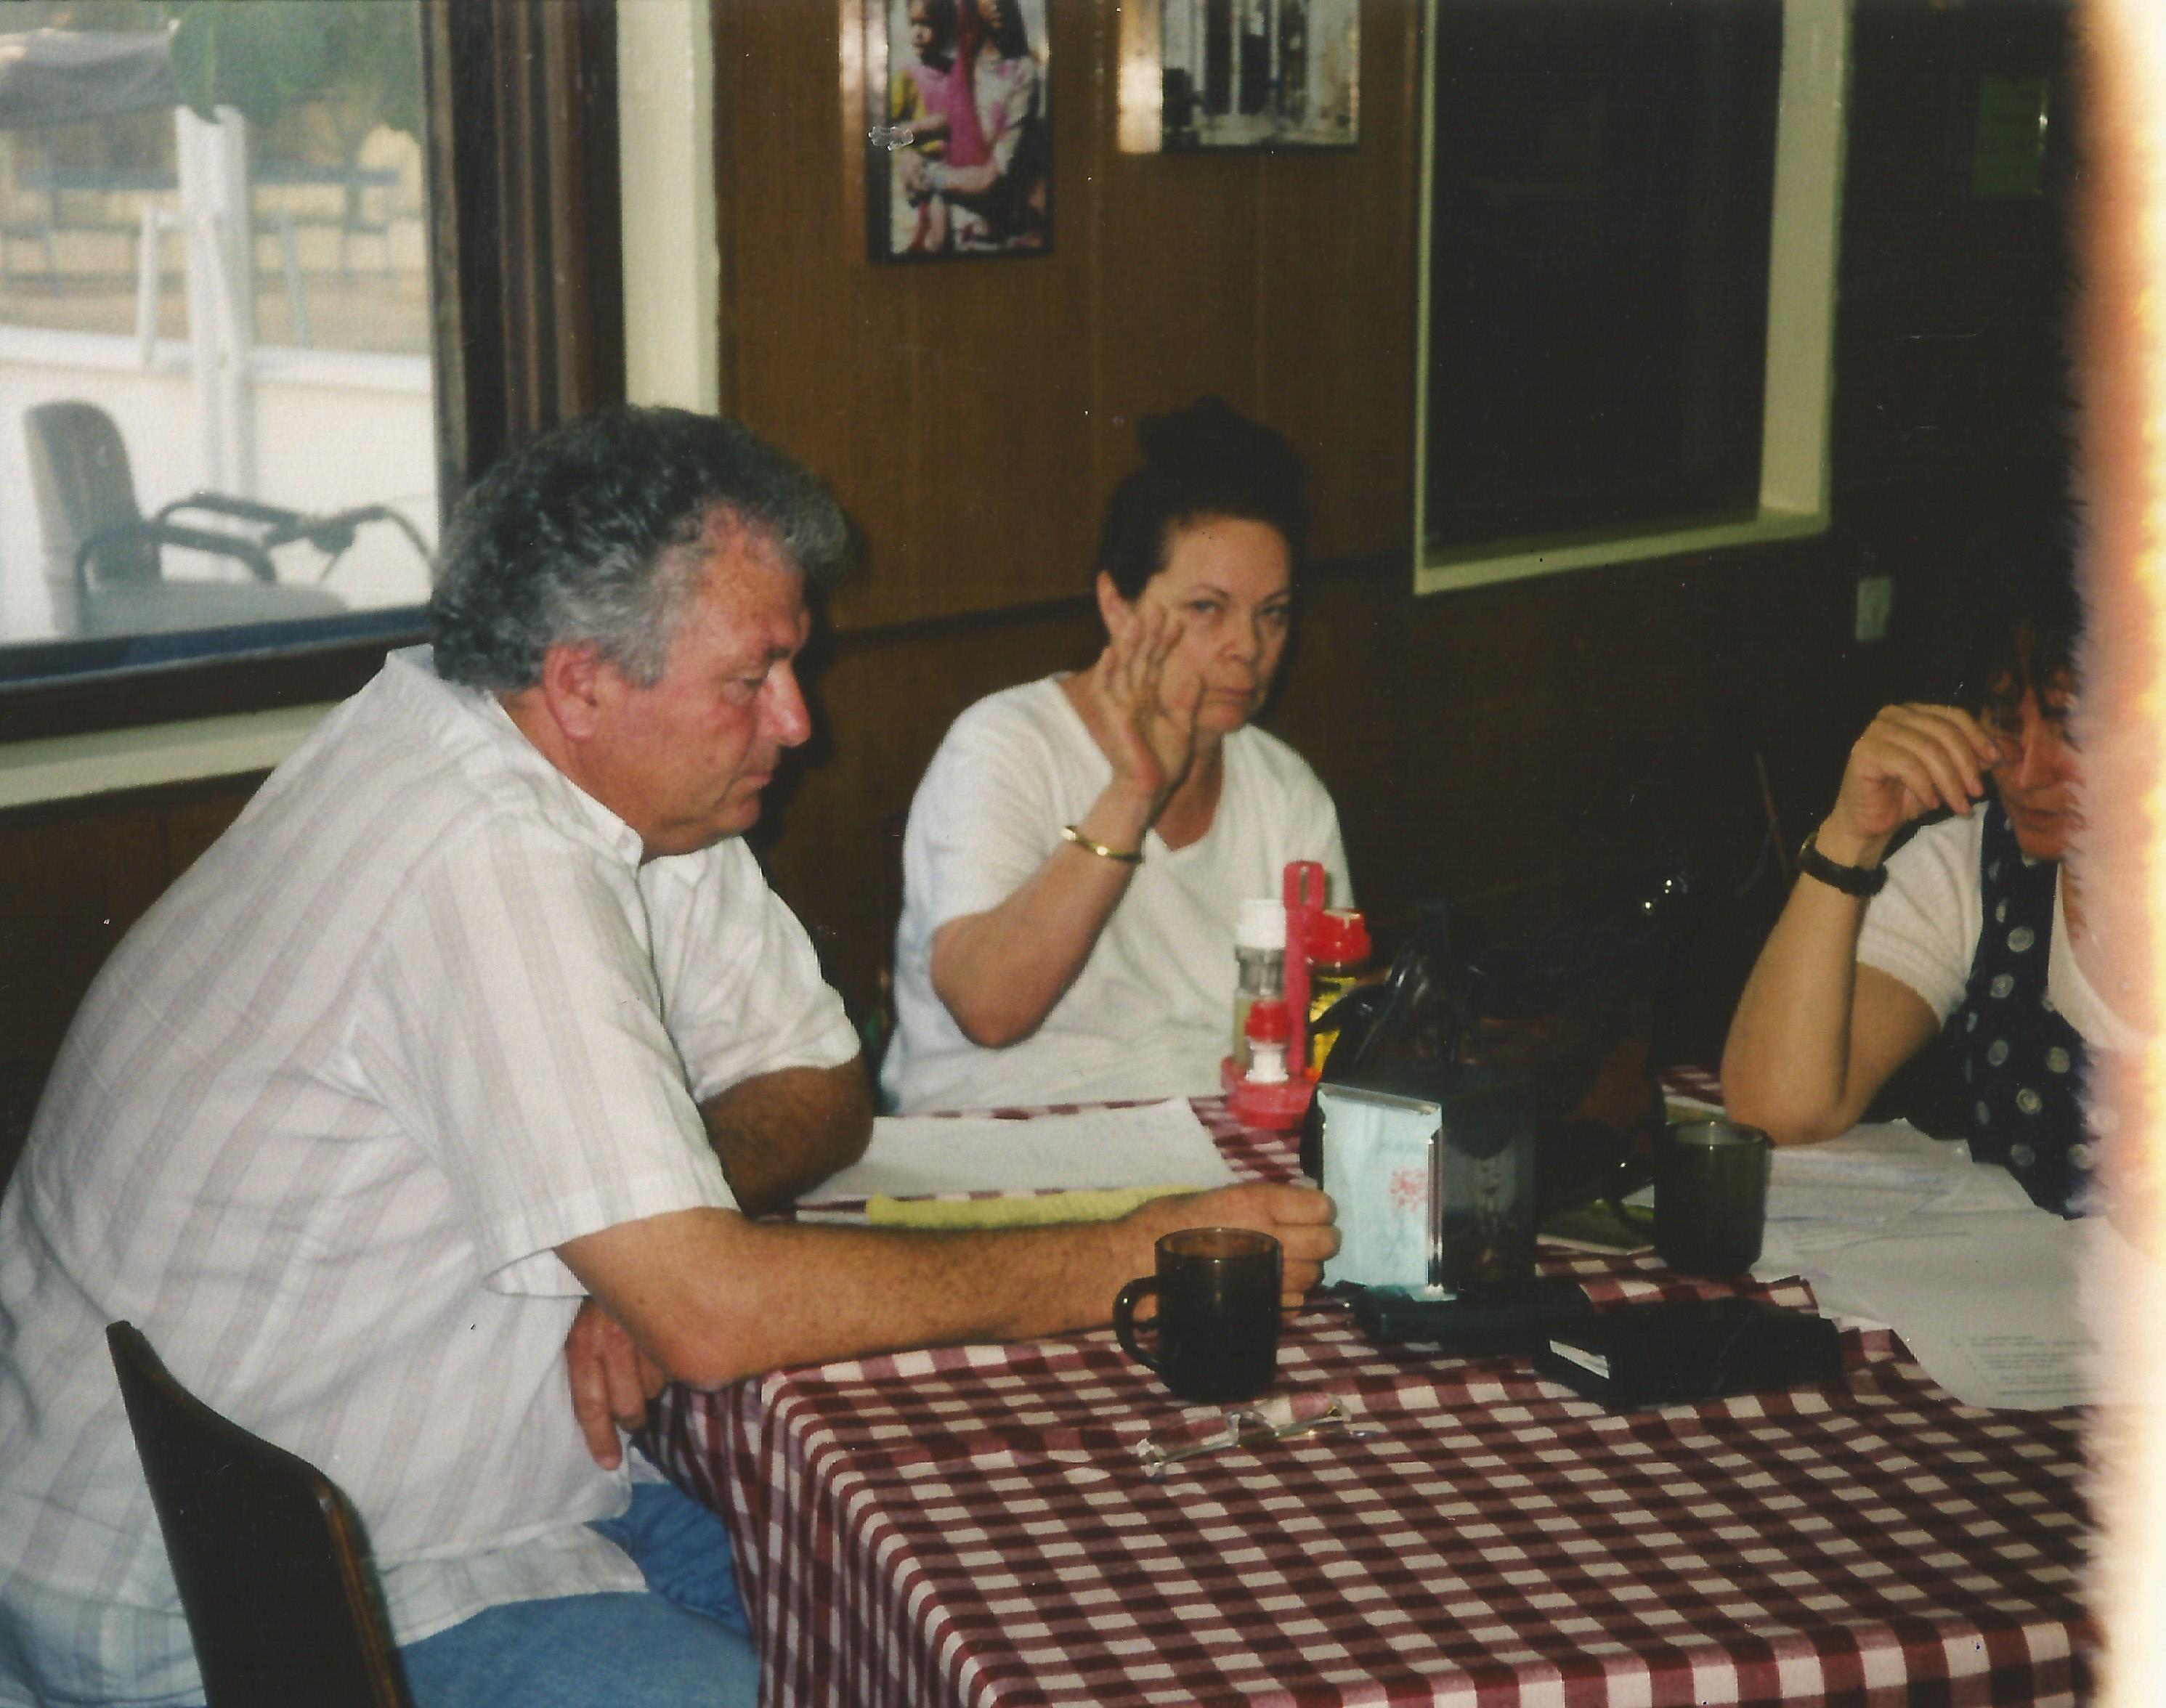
1269, 1023
1339, 936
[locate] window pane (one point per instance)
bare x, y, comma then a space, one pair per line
216, 424
1599, 261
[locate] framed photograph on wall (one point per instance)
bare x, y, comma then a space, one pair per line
959, 157
1259, 74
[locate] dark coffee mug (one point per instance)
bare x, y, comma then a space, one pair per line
1218, 1321
1711, 1196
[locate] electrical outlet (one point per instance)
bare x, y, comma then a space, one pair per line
1876, 599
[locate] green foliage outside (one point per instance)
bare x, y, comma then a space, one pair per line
355, 64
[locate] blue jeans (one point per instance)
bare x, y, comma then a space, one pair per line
685, 1643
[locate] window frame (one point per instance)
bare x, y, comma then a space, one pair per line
1814, 86
526, 330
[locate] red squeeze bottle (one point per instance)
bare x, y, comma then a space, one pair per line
1305, 893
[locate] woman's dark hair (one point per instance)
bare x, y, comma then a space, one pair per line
1201, 461
2029, 616
1011, 40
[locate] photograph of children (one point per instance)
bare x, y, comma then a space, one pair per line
963, 157
1262, 73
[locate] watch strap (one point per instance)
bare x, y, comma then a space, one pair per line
1852, 880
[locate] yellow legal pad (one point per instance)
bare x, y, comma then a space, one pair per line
1025, 1210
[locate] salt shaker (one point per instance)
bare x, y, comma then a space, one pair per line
1260, 935
1269, 1030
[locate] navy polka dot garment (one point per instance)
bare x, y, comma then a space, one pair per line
2022, 1063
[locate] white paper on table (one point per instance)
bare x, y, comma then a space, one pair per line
1887, 1183
1881, 1173
1157, 1144
1823, 1196
1987, 1301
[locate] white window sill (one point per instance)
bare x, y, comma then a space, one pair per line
1504, 561
68, 767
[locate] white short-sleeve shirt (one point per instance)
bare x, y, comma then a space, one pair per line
1151, 1013
419, 1017
1923, 928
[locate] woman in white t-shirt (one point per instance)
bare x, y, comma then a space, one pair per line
1974, 926
1081, 845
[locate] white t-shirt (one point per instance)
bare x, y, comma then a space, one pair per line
1923, 929
420, 1016
1151, 1014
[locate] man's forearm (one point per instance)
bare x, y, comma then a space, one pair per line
780, 1134
711, 1297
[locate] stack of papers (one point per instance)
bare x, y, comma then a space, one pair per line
1100, 1150
1894, 1228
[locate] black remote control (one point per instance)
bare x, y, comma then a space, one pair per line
1477, 1322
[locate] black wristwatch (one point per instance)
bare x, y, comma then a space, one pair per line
1850, 880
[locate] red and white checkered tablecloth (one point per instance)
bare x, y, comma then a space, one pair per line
972, 1525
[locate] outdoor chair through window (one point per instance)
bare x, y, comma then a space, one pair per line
97, 537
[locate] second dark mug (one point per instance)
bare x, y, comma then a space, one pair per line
1711, 1196
1218, 1292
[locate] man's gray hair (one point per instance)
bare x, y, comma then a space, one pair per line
584, 537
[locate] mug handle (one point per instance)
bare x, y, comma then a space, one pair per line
1124, 1320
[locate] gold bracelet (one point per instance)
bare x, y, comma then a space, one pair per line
1068, 833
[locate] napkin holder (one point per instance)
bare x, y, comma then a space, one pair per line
1431, 1165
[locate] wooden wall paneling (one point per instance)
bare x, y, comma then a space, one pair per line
73, 878
945, 402
1486, 837
819, 361
1008, 512
1792, 684
1004, 512
1476, 714
1178, 280
1337, 252
73, 887
883, 704
1179, 310
194, 821
1609, 697
1348, 697
973, 414
1185, 270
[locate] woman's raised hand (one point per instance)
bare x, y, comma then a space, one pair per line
1911, 760
1149, 724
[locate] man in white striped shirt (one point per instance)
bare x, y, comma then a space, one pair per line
479, 1012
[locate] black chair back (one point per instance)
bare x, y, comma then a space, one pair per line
273, 1573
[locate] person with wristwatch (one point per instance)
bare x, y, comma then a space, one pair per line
1938, 895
